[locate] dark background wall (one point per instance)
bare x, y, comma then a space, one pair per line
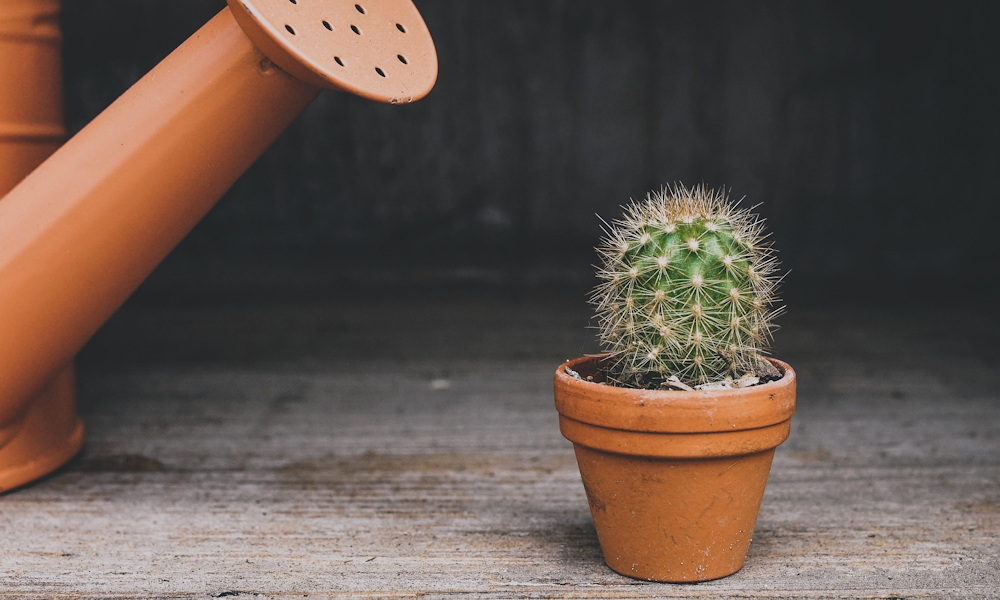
867, 131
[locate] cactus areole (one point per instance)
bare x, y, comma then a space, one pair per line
687, 291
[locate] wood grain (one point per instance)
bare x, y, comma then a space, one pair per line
366, 443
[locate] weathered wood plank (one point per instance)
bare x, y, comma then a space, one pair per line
367, 444
850, 122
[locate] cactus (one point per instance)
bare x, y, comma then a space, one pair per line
687, 289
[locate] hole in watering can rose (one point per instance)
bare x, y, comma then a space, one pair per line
293, 1
338, 61
400, 27
355, 29
289, 29
327, 25
361, 9
402, 59
380, 71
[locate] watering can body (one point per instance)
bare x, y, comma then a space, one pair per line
83, 230
48, 431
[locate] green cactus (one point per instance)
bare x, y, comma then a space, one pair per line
687, 289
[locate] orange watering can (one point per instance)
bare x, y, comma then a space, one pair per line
85, 228
31, 128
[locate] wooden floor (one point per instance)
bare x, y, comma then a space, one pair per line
391, 441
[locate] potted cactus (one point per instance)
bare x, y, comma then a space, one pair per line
675, 425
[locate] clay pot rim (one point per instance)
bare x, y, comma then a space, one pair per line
670, 411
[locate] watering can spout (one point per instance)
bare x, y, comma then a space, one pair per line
85, 228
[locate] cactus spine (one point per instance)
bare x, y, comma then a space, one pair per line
687, 289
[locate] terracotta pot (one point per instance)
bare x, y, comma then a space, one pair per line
674, 479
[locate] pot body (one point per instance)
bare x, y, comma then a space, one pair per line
674, 479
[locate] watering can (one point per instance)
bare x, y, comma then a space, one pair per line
84, 229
